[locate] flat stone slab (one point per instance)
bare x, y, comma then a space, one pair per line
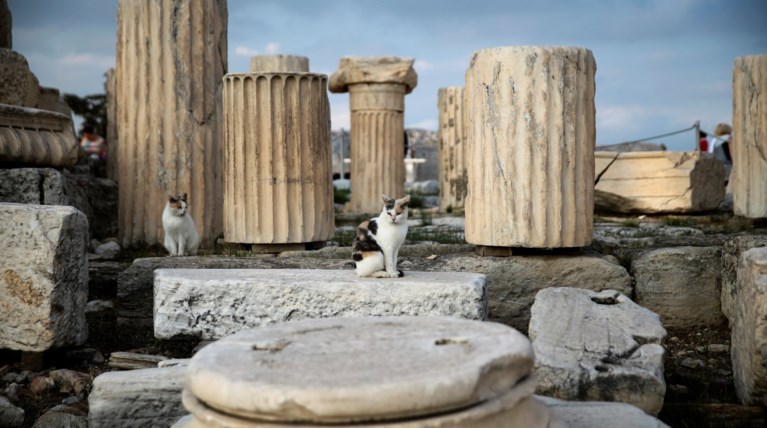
213, 303
345, 370
599, 414
597, 346
133, 398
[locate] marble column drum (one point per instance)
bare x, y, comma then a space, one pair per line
171, 58
278, 184
452, 149
377, 88
748, 145
531, 135
279, 64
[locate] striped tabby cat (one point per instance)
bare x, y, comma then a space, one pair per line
378, 240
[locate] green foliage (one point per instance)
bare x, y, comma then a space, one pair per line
438, 236
678, 221
416, 201
630, 223
341, 196
426, 219
92, 108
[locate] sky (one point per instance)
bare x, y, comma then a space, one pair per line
661, 64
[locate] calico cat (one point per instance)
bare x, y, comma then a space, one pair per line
181, 238
378, 240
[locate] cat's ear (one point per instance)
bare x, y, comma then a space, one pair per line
404, 201
387, 200
183, 198
172, 198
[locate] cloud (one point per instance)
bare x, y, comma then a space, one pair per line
340, 116
621, 117
88, 60
273, 47
422, 65
244, 51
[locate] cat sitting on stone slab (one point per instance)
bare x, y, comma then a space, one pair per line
181, 238
378, 240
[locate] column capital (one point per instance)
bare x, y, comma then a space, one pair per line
374, 69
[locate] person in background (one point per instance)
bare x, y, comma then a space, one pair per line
703, 142
93, 144
720, 147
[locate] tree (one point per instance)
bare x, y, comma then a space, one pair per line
92, 108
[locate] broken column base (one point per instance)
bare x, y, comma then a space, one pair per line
213, 303
281, 248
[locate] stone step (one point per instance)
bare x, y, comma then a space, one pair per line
213, 303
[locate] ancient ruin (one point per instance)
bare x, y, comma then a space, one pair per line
277, 166
453, 174
377, 88
531, 132
749, 148
170, 114
279, 63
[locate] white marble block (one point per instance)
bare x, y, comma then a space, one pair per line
213, 303
43, 277
597, 346
749, 329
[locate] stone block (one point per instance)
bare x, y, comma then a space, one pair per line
10, 416
597, 346
278, 185
279, 63
43, 277
531, 133
18, 85
731, 252
94, 197
144, 397
31, 136
658, 182
213, 303
749, 129
599, 414
749, 329
681, 284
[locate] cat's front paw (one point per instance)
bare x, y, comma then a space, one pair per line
395, 274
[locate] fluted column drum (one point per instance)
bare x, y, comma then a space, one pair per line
453, 175
531, 135
749, 140
278, 182
171, 57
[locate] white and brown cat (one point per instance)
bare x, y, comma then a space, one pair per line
378, 240
181, 238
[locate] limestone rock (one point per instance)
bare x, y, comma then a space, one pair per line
279, 63
658, 182
71, 381
36, 137
354, 70
731, 253
347, 369
43, 277
531, 132
597, 346
749, 128
10, 415
214, 303
94, 197
144, 397
749, 330
18, 85
60, 419
453, 174
599, 414
681, 284
108, 251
